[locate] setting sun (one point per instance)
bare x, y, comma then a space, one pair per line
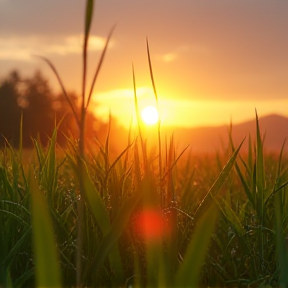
150, 115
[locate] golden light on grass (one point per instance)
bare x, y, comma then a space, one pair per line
150, 115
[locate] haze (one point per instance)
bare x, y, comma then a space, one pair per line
212, 60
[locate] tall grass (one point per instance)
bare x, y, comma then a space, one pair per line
81, 120
81, 219
39, 215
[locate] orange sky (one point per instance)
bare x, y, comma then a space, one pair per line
213, 60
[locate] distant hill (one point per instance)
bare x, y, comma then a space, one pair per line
209, 139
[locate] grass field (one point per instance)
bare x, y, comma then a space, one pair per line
208, 220
81, 217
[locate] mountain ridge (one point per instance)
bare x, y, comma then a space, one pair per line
273, 127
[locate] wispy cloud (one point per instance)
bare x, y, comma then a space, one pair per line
22, 47
180, 50
169, 57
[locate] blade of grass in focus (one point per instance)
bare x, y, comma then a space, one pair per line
260, 174
189, 270
245, 184
144, 155
260, 186
206, 202
281, 247
45, 253
158, 110
101, 216
81, 122
113, 234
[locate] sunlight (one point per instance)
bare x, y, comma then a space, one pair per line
150, 115
177, 112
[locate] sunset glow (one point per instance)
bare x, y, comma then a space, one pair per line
205, 75
150, 138
150, 115
180, 112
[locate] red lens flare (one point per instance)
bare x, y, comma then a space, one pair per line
150, 225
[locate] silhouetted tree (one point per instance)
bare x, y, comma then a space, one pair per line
10, 111
67, 125
38, 114
42, 111
34, 99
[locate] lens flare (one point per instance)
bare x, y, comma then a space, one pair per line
150, 225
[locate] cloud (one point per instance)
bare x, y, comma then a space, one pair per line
22, 47
169, 57
180, 50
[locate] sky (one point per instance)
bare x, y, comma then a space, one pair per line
213, 60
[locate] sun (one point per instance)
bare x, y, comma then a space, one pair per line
150, 115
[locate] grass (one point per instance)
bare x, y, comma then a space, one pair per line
210, 222
243, 245
80, 218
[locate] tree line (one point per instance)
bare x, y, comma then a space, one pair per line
41, 110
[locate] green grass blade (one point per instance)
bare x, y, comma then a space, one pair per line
151, 72
206, 202
138, 120
117, 227
260, 174
245, 186
280, 160
88, 16
172, 164
8, 188
40, 155
101, 216
19, 282
107, 142
8, 261
21, 137
9, 281
53, 68
99, 65
118, 158
50, 167
231, 216
95, 203
250, 155
137, 163
188, 274
158, 109
281, 250
88, 20
44, 245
